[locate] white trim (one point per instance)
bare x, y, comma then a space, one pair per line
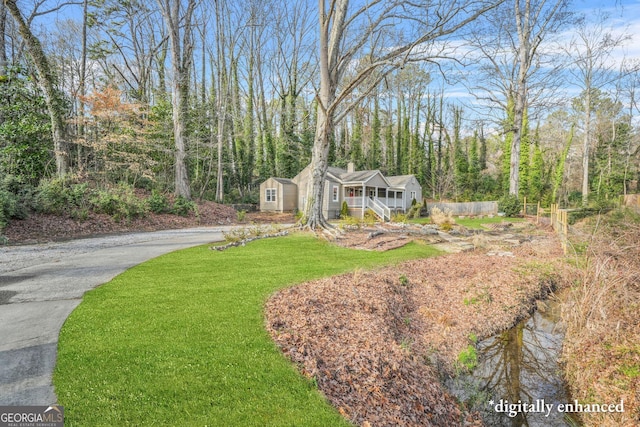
270, 195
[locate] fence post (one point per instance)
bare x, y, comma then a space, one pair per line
524, 206
538, 213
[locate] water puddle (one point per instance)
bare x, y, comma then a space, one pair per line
518, 380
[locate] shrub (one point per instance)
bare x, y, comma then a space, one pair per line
510, 205
14, 198
440, 218
119, 202
8, 206
241, 215
158, 202
344, 210
52, 196
414, 211
398, 217
370, 217
182, 206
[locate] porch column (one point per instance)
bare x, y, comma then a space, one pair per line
364, 191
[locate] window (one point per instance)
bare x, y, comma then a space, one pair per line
335, 194
413, 195
270, 195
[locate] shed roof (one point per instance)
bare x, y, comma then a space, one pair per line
283, 180
399, 180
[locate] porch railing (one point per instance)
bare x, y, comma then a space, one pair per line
379, 208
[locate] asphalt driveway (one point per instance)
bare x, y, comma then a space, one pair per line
40, 285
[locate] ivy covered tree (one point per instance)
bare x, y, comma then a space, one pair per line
25, 128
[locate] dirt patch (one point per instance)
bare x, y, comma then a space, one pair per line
379, 239
378, 342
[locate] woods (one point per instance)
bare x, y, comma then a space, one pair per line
478, 99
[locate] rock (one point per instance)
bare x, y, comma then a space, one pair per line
429, 231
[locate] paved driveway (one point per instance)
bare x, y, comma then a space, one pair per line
41, 284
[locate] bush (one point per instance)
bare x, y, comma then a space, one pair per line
8, 206
52, 196
344, 210
510, 205
415, 210
182, 206
15, 198
158, 202
442, 218
119, 202
370, 218
399, 217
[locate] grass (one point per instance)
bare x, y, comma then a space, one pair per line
476, 223
471, 223
180, 340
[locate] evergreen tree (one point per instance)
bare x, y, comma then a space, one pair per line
460, 158
474, 165
536, 174
389, 148
356, 153
483, 150
508, 139
375, 152
525, 157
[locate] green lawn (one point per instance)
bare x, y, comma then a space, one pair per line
472, 223
180, 340
476, 223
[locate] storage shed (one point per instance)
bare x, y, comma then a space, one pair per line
278, 195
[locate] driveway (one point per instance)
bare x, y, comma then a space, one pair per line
40, 285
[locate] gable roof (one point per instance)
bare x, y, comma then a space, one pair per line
357, 177
400, 181
283, 180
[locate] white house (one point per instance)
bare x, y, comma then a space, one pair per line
362, 190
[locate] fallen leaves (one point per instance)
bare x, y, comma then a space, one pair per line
377, 342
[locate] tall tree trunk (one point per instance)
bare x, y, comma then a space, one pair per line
586, 146
3, 40
319, 161
46, 83
181, 58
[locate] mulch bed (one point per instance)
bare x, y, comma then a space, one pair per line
38, 228
377, 343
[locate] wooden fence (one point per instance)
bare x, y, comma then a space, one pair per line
466, 208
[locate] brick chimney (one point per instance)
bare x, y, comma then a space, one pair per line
351, 168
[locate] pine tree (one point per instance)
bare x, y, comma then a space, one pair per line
356, 152
483, 150
508, 139
375, 152
389, 148
474, 165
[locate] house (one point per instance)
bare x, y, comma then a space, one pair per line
362, 190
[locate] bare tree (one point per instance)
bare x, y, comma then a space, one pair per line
178, 19
591, 51
360, 35
517, 72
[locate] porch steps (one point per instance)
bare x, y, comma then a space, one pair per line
379, 208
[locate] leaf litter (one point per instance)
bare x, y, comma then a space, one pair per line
378, 343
